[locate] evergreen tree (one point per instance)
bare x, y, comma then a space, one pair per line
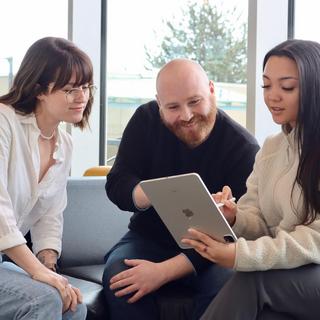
206, 35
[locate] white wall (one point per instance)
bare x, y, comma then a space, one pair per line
267, 26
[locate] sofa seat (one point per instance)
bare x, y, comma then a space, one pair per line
91, 273
93, 297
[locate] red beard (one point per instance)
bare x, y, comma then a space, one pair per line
201, 128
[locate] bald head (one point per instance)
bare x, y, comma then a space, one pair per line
186, 100
180, 70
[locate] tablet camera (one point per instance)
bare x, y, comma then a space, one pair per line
228, 238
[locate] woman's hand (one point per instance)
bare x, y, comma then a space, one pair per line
25, 259
229, 208
70, 296
215, 251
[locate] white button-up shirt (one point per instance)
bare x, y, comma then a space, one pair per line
26, 204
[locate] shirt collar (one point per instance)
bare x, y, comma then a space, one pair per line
30, 120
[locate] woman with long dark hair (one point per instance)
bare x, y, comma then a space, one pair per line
277, 255
54, 83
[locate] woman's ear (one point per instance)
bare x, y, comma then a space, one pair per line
39, 94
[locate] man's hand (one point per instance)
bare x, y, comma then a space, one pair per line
48, 257
142, 278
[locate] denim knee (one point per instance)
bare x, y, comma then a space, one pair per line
79, 314
51, 301
111, 269
46, 305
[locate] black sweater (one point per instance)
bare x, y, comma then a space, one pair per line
149, 150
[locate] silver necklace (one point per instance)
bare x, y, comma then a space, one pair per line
47, 137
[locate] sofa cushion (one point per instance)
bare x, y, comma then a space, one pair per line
90, 273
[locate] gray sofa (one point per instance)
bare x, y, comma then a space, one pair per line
92, 225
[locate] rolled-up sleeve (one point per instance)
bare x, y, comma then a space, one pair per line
10, 234
46, 233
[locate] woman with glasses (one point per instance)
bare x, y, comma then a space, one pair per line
277, 255
54, 84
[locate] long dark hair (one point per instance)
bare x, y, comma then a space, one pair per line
306, 55
49, 60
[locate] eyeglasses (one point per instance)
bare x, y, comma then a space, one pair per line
75, 93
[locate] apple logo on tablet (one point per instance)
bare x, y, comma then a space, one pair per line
188, 213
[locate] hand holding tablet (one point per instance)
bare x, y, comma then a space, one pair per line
184, 202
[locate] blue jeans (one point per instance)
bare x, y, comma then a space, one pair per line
22, 298
132, 246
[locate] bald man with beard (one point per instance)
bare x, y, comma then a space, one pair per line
182, 131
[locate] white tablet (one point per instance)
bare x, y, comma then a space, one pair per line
182, 202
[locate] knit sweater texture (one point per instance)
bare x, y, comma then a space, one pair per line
268, 219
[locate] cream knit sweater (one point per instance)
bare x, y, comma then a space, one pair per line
266, 222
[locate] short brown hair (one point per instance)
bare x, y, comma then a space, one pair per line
49, 60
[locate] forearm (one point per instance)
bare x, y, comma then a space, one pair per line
24, 258
176, 268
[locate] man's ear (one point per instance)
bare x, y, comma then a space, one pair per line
211, 87
158, 101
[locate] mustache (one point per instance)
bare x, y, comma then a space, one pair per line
195, 119
185, 123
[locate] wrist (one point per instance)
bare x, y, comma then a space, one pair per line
175, 268
163, 272
48, 257
231, 249
37, 268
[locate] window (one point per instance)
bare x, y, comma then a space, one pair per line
136, 32
21, 24
306, 17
